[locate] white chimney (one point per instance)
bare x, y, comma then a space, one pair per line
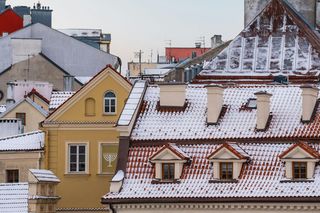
10, 94
214, 103
26, 20
172, 94
68, 82
263, 109
216, 41
309, 100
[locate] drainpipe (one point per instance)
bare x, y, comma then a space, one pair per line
112, 208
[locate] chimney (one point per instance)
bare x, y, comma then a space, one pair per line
214, 103
263, 109
216, 41
309, 100
10, 94
198, 44
26, 20
2, 5
172, 94
68, 82
40, 14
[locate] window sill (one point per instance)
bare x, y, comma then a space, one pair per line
224, 181
297, 181
77, 174
157, 181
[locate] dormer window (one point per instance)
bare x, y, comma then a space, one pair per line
252, 103
227, 161
300, 160
226, 170
168, 162
299, 170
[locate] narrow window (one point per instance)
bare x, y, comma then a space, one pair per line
299, 170
226, 171
168, 171
22, 117
110, 103
90, 105
12, 176
77, 158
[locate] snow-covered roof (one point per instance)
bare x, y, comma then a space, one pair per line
28, 100
132, 103
190, 124
23, 142
44, 175
82, 32
262, 177
14, 197
277, 42
156, 71
58, 98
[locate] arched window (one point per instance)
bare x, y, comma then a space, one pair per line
90, 107
110, 103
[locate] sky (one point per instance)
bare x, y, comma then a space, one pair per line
148, 25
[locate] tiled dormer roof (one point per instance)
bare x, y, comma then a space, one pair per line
278, 41
173, 148
233, 148
263, 178
14, 197
304, 146
190, 124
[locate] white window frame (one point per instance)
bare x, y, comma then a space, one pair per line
110, 99
67, 165
100, 144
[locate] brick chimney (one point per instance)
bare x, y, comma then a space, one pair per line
263, 110
172, 94
214, 103
309, 100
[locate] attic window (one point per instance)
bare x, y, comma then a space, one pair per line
226, 170
252, 103
299, 170
168, 171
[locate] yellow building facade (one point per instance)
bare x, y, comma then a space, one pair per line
82, 142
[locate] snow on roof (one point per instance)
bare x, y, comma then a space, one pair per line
28, 100
23, 142
190, 124
83, 79
278, 41
262, 177
44, 175
58, 98
14, 197
82, 32
132, 103
156, 71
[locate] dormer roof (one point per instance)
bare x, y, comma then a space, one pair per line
174, 150
300, 145
233, 148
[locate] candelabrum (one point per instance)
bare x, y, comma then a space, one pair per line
110, 157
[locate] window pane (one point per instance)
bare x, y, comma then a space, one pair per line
82, 167
73, 167
110, 95
73, 158
226, 171
73, 149
113, 109
82, 149
82, 158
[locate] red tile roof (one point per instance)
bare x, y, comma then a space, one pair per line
304, 146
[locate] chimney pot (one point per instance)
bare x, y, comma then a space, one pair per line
214, 103
263, 109
309, 100
172, 94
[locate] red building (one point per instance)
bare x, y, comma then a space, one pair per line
10, 22
177, 54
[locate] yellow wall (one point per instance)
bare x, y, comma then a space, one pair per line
33, 116
84, 190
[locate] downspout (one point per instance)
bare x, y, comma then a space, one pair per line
112, 208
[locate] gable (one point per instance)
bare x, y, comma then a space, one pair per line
166, 154
74, 108
297, 153
278, 41
224, 153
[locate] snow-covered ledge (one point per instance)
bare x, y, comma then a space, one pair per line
116, 182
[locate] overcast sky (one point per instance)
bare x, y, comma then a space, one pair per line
148, 24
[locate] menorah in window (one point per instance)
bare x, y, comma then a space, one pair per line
110, 157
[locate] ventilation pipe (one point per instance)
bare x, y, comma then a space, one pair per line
263, 109
68, 82
172, 94
309, 101
214, 103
